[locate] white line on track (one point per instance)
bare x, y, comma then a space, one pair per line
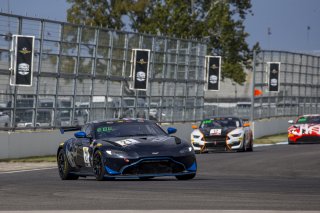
280, 143
26, 170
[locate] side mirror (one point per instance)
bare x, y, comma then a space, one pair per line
194, 127
290, 121
246, 124
80, 135
171, 130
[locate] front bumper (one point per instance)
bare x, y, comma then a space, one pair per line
218, 144
305, 140
151, 166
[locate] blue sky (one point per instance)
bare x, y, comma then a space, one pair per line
294, 24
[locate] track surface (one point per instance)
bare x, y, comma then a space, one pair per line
280, 177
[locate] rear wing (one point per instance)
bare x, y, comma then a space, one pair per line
69, 129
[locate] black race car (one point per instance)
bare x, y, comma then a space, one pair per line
125, 148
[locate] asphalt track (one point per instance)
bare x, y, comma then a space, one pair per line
280, 177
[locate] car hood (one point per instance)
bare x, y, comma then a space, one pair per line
147, 145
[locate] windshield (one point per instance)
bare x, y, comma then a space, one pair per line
308, 120
220, 123
128, 129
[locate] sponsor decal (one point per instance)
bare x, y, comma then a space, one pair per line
23, 69
24, 50
127, 142
215, 131
71, 154
159, 139
86, 156
141, 76
274, 82
213, 79
304, 129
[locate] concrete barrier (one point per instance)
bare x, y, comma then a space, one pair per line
270, 126
26, 144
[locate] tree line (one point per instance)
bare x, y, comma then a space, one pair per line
220, 23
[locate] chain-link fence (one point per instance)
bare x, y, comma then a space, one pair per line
83, 73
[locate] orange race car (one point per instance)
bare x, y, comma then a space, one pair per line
306, 129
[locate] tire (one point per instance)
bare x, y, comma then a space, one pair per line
98, 166
64, 167
244, 147
250, 149
186, 177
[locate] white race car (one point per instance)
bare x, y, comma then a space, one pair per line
222, 134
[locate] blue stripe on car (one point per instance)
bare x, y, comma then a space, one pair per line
193, 167
111, 172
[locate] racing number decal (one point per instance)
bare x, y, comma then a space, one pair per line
86, 156
215, 132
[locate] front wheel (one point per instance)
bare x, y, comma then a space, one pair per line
250, 148
186, 177
98, 166
64, 167
290, 142
244, 146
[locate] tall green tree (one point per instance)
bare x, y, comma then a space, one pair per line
218, 22
102, 13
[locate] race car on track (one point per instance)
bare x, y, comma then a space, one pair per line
125, 148
222, 134
305, 129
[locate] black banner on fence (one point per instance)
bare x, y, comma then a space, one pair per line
140, 69
274, 76
22, 60
213, 72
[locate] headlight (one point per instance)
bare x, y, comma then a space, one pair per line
117, 153
236, 135
186, 150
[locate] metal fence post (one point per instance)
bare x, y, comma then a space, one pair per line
253, 86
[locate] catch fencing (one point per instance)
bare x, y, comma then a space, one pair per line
83, 73
299, 91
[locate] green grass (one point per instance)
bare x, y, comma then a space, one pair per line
272, 139
36, 159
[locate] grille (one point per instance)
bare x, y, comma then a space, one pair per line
215, 141
154, 167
